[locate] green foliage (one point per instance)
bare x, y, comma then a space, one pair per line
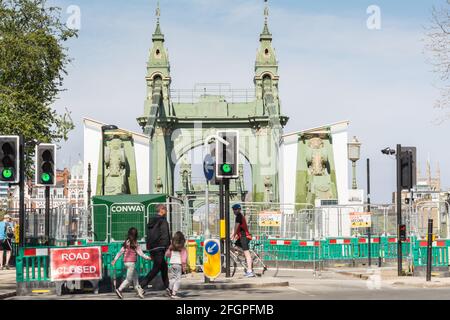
32, 68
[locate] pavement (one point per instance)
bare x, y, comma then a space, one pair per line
7, 283
196, 281
304, 284
388, 276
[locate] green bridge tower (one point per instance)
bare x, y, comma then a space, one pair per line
176, 127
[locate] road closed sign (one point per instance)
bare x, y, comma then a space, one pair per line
75, 264
211, 259
360, 219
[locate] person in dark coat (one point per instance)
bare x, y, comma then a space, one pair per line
158, 241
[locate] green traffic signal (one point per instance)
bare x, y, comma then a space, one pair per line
45, 177
7, 173
226, 168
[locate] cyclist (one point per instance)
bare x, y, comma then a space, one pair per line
242, 237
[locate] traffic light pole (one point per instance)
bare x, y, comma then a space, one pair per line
399, 210
103, 162
47, 215
222, 216
227, 226
21, 192
369, 211
429, 249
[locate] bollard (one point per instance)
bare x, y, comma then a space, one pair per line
429, 248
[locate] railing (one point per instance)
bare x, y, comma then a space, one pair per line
208, 89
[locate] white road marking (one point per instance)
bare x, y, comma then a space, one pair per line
301, 291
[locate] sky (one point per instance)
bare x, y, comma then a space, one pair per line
332, 67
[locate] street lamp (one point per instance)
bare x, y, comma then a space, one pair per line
105, 128
354, 149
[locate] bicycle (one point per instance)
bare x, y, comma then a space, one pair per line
237, 257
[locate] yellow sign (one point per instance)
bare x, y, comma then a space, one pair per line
269, 219
433, 238
222, 229
16, 233
360, 219
212, 266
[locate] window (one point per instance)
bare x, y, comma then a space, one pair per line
80, 195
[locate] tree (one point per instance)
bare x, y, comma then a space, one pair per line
437, 45
33, 63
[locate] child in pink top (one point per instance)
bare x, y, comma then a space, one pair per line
178, 261
130, 250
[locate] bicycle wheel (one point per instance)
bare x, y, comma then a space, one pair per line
233, 264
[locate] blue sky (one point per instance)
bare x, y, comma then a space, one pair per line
332, 68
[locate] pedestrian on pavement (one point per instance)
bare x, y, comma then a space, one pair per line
178, 261
130, 250
242, 237
6, 235
158, 241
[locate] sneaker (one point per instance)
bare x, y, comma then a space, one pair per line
169, 292
249, 275
174, 296
141, 293
119, 294
7, 268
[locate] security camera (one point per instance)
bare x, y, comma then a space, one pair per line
388, 151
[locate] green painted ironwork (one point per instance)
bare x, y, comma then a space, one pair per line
175, 128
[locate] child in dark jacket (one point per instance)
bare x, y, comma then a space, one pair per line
178, 261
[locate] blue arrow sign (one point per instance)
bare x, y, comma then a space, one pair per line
209, 167
211, 247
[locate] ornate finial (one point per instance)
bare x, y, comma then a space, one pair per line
158, 12
266, 10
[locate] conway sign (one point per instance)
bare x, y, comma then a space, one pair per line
127, 208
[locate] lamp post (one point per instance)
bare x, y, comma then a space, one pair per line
105, 128
354, 149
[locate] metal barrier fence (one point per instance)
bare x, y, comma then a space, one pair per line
66, 223
33, 263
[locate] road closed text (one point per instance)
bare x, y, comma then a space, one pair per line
75, 263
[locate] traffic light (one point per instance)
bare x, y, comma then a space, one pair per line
9, 159
402, 232
45, 165
227, 156
408, 167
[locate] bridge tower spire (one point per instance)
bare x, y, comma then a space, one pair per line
157, 105
266, 65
